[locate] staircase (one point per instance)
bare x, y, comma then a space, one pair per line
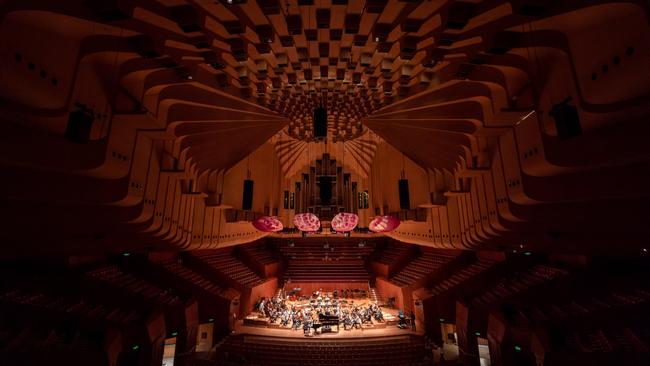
375, 296
279, 293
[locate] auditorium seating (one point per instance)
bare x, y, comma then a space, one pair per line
338, 250
137, 286
589, 308
77, 322
326, 272
174, 267
419, 268
460, 276
232, 267
55, 304
519, 282
254, 350
392, 252
572, 325
260, 252
42, 345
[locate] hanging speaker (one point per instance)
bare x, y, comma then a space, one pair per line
80, 124
404, 199
567, 120
320, 122
247, 200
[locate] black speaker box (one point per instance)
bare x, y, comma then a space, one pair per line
567, 120
320, 122
247, 200
80, 124
404, 199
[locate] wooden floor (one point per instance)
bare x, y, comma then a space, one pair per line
365, 332
391, 331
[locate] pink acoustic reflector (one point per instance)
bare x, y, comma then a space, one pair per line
384, 224
268, 224
345, 222
306, 222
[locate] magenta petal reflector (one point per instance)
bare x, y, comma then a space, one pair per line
306, 222
345, 222
268, 224
384, 224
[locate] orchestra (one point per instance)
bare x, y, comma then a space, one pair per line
319, 314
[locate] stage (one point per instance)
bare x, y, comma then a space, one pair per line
389, 331
256, 324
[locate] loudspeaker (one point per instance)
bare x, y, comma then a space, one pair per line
404, 199
567, 120
286, 200
320, 122
80, 123
247, 200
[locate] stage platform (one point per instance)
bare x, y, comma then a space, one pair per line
389, 331
254, 324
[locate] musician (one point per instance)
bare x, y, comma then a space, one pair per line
401, 323
307, 326
285, 318
297, 319
367, 316
274, 315
356, 321
379, 316
347, 322
261, 307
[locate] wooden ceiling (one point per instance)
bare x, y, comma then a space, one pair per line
292, 55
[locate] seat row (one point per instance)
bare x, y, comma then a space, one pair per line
389, 351
230, 266
420, 268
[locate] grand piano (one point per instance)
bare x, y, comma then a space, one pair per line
330, 321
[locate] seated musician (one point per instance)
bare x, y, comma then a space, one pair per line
285, 317
307, 325
356, 321
347, 320
367, 316
401, 323
379, 316
260, 306
297, 320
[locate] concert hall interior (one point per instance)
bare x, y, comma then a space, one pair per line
324, 182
